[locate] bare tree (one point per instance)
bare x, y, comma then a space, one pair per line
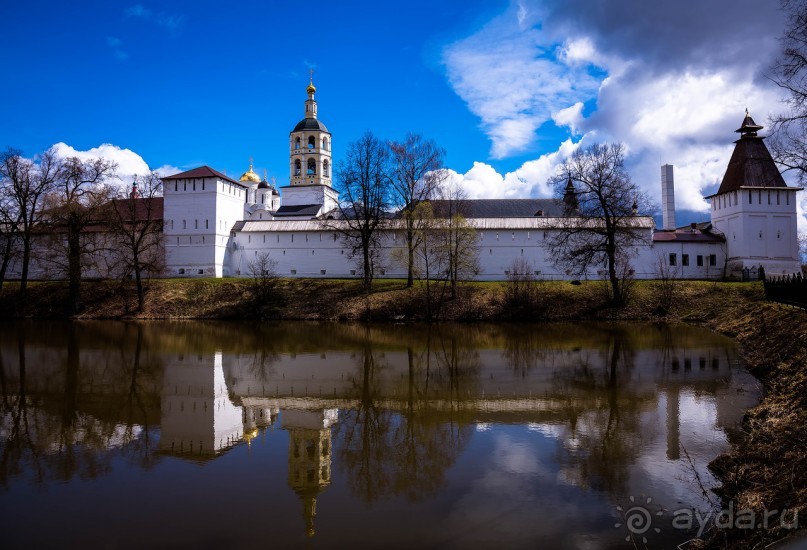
428, 259
459, 238
789, 128
136, 224
417, 173
24, 185
601, 224
363, 182
80, 192
521, 293
265, 292
667, 282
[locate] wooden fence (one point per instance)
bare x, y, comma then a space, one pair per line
789, 289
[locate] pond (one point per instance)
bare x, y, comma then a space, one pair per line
188, 434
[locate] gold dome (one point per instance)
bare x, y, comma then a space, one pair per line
311, 88
250, 175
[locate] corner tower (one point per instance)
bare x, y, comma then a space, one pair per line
309, 193
755, 209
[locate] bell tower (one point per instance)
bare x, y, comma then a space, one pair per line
310, 146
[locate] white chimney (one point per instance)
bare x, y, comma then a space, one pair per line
667, 197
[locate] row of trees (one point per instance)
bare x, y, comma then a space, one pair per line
392, 184
376, 178
70, 215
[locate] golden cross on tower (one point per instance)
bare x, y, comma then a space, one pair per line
250, 163
311, 75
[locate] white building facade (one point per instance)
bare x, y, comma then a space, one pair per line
216, 226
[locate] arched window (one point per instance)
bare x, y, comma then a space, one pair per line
325, 144
312, 167
325, 168
297, 167
311, 142
297, 143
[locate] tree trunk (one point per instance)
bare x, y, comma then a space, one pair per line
410, 245
617, 293
74, 266
26, 260
368, 276
141, 299
6, 260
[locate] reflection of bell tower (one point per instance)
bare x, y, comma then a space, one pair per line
309, 456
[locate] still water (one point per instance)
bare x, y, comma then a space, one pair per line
236, 435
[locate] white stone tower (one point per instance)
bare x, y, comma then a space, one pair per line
310, 166
755, 209
310, 147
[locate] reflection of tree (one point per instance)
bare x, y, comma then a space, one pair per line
605, 416
366, 443
524, 349
386, 453
76, 417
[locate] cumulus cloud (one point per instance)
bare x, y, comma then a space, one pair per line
671, 84
129, 163
514, 79
482, 181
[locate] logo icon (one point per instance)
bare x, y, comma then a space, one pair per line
638, 519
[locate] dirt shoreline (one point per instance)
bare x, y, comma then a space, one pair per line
765, 472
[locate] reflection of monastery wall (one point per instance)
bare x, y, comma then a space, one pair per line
197, 413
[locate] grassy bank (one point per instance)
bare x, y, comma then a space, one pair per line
766, 472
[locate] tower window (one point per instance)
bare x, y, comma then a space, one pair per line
297, 144
311, 167
311, 142
325, 168
325, 144
297, 166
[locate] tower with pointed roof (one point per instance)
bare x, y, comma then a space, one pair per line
755, 209
310, 192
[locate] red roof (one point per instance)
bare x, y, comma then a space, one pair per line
701, 232
203, 172
144, 209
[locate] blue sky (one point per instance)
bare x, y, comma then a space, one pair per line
508, 88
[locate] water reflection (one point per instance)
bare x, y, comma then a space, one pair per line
391, 410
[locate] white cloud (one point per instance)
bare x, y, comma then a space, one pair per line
570, 117
482, 181
667, 103
514, 79
129, 163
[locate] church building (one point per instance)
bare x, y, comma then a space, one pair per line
217, 226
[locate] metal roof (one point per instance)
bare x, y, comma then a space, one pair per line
502, 224
751, 164
695, 232
299, 210
203, 172
310, 124
501, 208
